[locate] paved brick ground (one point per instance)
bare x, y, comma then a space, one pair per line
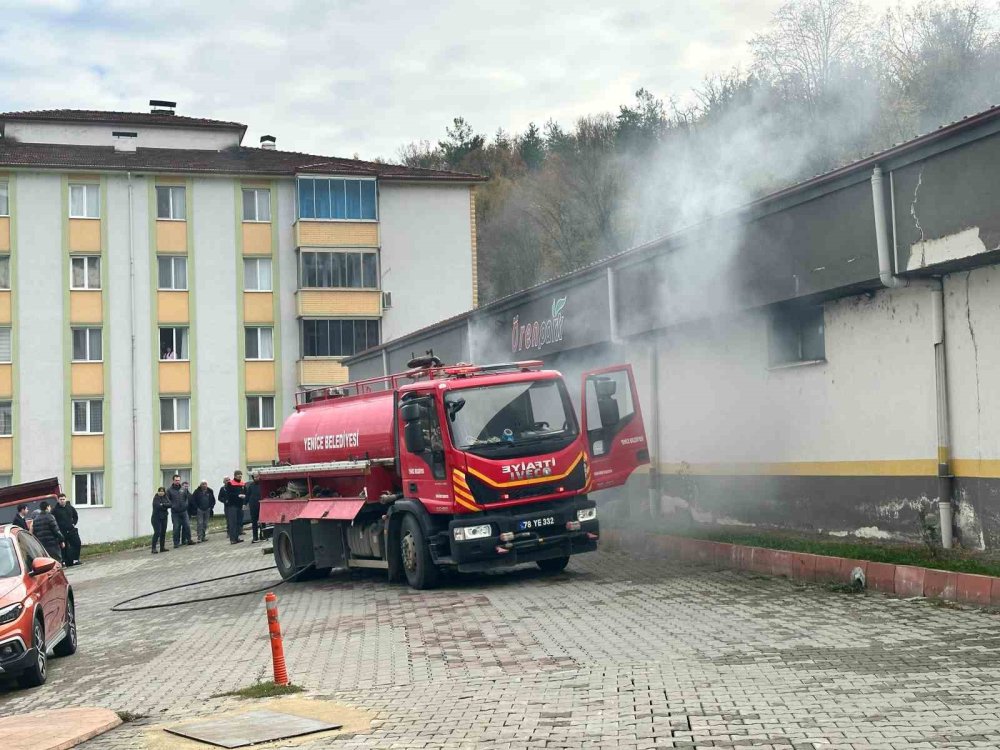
617, 652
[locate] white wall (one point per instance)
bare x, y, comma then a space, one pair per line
426, 238
99, 134
287, 260
214, 300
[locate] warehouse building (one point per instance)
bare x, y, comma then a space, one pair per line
820, 360
164, 291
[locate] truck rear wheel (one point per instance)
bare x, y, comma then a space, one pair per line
421, 573
284, 559
553, 564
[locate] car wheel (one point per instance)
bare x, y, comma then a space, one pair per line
420, 570
35, 675
67, 646
553, 564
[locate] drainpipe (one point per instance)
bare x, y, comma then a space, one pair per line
135, 412
945, 480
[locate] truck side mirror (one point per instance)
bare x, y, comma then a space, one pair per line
605, 388
413, 436
411, 412
610, 414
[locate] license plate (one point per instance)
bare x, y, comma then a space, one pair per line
536, 523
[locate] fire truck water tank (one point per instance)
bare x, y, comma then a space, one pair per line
339, 429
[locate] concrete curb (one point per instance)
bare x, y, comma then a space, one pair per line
898, 580
58, 729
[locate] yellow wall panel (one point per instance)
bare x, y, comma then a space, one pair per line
172, 307
6, 455
171, 236
167, 180
256, 238
85, 306
324, 303
337, 233
85, 235
4, 308
87, 378
260, 377
6, 380
262, 446
322, 372
175, 377
258, 307
88, 451
4, 234
175, 448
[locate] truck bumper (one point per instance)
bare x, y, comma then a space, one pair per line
538, 534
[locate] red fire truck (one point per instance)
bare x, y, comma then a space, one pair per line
466, 467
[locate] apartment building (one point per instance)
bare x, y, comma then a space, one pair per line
165, 290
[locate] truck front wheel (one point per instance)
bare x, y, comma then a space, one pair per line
421, 573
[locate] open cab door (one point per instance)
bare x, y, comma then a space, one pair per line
612, 422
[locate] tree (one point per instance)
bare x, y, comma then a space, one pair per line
460, 143
531, 147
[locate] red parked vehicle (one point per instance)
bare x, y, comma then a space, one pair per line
37, 612
466, 467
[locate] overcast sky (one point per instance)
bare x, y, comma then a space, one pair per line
351, 77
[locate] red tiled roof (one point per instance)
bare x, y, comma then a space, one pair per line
134, 118
240, 160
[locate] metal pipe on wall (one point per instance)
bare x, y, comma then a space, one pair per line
886, 274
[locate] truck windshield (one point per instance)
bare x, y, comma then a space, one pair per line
498, 417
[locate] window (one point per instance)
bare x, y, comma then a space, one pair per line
175, 414
796, 335
331, 269
85, 272
87, 345
5, 345
4, 200
338, 338
84, 201
336, 199
259, 343
88, 488
172, 272
173, 343
170, 203
4, 272
256, 204
257, 274
6, 418
260, 412
88, 416
168, 476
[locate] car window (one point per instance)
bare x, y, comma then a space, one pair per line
30, 548
9, 567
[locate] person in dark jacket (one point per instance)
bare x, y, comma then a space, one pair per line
67, 518
253, 503
161, 504
46, 530
234, 498
21, 517
178, 497
203, 500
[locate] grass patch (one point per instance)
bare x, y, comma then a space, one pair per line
218, 523
959, 561
261, 690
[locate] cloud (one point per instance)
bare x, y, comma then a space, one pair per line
351, 77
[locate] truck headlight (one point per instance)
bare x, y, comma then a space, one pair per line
465, 533
586, 514
11, 613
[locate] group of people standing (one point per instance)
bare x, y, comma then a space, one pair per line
180, 505
55, 527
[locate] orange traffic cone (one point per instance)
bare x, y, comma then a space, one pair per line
277, 648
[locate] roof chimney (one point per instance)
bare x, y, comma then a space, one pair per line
161, 107
268, 142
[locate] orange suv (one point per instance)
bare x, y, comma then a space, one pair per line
37, 614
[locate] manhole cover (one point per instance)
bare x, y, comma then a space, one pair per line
251, 728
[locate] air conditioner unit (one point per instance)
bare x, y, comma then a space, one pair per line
386, 300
